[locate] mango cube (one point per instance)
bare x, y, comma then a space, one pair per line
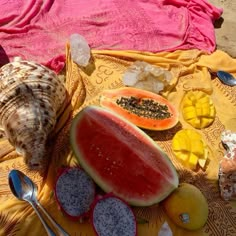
193, 161
190, 149
201, 112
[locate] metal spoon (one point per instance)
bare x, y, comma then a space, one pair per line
225, 77
25, 189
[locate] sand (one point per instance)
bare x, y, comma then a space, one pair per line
225, 27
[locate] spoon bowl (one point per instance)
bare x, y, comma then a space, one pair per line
21, 186
24, 189
226, 78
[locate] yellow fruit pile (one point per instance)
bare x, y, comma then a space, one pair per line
187, 207
198, 109
190, 149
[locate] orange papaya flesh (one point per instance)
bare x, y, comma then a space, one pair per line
143, 108
121, 158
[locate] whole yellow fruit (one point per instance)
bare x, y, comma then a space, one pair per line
187, 207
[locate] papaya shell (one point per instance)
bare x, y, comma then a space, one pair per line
121, 158
109, 98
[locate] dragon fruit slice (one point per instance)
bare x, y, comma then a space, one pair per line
75, 192
112, 216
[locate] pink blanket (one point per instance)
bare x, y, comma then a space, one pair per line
38, 29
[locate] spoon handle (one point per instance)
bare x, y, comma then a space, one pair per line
47, 228
60, 230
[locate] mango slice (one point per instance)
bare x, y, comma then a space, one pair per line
190, 149
198, 109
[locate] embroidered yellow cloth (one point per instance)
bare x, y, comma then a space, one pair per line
190, 70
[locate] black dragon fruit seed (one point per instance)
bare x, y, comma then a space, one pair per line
75, 191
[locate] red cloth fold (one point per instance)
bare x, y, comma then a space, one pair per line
39, 29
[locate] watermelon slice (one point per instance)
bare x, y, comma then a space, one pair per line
121, 158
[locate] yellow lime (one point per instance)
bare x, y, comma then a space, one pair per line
187, 207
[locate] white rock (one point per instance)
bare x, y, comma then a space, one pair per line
130, 78
165, 230
80, 50
146, 76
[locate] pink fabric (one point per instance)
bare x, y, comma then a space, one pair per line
39, 29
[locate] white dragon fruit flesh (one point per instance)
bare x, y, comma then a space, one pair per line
112, 216
75, 192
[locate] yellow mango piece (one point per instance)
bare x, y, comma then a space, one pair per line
187, 102
189, 114
183, 156
206, 152
180, 145
176, 145
195, 123
190, 149
181, 142
204, 100
205, 122
199, 95
188, 109
193, 161
198, 105
181, 134
202, 163
191, 96
202, 111
199, 111
197, 148
205, 111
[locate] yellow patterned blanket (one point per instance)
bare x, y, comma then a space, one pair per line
190, 69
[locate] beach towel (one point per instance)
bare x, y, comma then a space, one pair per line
190, 71
38, 29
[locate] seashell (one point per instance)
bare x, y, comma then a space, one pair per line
31, 97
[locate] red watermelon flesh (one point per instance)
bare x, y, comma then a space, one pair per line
121, 158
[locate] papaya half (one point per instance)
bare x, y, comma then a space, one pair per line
143, 108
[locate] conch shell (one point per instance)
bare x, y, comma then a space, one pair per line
31, 96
